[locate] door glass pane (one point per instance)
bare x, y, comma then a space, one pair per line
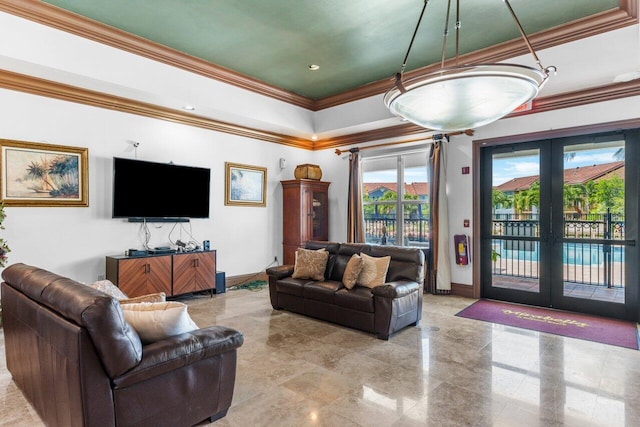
379, 199
593, 221
515, 220
320, 214
416, 224
416, 200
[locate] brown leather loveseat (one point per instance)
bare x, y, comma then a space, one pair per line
381, 310
79, 363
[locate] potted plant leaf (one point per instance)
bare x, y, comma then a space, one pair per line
4, 249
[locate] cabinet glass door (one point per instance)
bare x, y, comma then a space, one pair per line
319, 215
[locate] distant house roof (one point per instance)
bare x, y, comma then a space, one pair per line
517, 184
414, 189
578, 175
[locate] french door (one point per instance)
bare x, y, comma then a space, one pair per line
559, 223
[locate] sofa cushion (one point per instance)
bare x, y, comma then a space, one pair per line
352, 271
322, 291
374, 271
344, 254
292, 286
154, 321
359, 298
310, 264
406, 263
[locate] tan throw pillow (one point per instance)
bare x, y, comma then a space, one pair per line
154, 321
352, 271
374, 271
310, 264
108, 288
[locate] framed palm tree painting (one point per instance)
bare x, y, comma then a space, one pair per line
35, 174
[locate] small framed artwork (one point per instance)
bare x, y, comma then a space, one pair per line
245, 185
35, 174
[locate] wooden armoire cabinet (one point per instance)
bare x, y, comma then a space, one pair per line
305, 214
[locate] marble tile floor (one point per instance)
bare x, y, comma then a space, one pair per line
449, 371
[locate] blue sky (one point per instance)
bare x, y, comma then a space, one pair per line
507, 168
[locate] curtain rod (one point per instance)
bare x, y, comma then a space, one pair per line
468, 132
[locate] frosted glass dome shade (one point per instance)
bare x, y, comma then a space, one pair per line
460, 98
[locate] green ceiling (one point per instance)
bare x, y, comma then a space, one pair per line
354, 41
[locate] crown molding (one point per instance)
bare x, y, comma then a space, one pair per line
624, 15
36, 86
583, 97
55, 17
405, 132
541, 104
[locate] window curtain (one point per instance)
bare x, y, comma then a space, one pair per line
439, 278
355, 216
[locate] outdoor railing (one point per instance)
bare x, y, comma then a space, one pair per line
583, 262
586, 263
381, 229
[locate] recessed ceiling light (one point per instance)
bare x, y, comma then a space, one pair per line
189, 107
314, 67
314, 137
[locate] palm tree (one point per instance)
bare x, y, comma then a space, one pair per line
619, 154
40, 171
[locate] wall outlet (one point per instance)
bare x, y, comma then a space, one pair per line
100, 276
275, 259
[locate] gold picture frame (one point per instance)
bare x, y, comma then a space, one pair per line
245, 185
43, 175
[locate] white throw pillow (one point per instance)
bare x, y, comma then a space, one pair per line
108, 288
154, 321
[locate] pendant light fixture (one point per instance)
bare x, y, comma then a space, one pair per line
468, 96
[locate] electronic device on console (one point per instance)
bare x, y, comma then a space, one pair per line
162, 250
137, 252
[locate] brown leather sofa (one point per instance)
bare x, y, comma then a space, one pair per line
79, 363
382, 310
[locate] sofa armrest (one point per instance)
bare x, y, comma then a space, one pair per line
281, 271
174, 352
395, 289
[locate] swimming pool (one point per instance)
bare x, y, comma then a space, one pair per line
572, 253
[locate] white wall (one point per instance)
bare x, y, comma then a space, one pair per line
74, 241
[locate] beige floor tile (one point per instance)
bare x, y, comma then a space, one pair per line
448, 371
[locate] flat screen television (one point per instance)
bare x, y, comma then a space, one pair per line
150, 191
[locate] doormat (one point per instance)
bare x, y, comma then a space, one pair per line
574, 325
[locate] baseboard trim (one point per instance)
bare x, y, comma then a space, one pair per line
245, 278
456, 288
462, 290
